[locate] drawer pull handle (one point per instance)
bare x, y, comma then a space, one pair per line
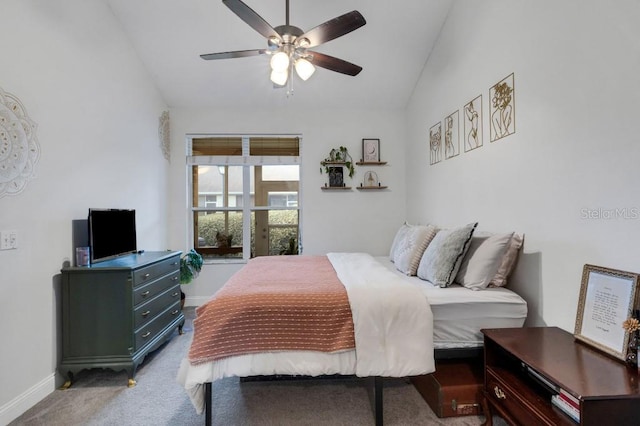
145, 293
147, 334
175, 312
145, 313
175, 278
499, 393
175, 294
174, 263
146, 276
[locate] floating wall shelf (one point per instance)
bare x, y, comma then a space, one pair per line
371, 163
364, 188
335, 188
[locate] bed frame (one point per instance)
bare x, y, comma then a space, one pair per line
453, 353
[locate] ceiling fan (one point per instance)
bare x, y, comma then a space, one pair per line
289, 45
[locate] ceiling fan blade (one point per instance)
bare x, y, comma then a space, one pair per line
234, 54
334, 28
252, 19
334, 64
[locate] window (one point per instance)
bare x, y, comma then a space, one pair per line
245, 197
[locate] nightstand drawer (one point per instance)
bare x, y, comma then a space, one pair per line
510, 395
149, 310
149, 291
145, 275
507, 399
148, 332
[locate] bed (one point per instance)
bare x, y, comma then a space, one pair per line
399, 323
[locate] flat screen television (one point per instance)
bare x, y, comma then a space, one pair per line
112, 233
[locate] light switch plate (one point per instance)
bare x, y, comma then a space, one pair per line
8, 240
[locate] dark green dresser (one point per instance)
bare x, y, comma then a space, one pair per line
117, 311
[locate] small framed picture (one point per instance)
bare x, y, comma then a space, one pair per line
336, 178
371, 150
608, 298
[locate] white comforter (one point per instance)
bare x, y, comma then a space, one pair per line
393, 327
392, 319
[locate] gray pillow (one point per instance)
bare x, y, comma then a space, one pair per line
409, 251
443, 256
397, 240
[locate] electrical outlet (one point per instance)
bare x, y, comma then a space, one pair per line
8, 240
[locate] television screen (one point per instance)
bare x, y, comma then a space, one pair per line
112, 232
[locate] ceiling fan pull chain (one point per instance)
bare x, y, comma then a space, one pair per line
290, 89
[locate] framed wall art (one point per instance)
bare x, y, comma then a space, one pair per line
435, 143
472, 118
336, 178
608, 298
371, 150
452, 135
503, 110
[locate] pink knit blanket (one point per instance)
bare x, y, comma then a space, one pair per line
275, 303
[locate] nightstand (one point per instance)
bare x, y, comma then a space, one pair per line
524, 367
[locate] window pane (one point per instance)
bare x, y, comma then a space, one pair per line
284, 173
219, 234
278, 236
210, 183
275, 186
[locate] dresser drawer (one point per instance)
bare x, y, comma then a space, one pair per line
147, 333
149, 310
149, 291
149, 273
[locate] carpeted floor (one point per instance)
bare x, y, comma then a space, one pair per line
100, 397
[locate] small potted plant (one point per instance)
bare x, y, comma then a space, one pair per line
338, 156
190, 266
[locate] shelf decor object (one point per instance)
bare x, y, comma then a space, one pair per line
608, 298
332, 166
370, 150
19, 148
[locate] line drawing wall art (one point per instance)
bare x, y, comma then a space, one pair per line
473, 124
452, 135
503, 110
435, 143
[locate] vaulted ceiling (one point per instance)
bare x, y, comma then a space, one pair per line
170, 35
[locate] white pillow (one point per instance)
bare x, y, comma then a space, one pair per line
410, 249
397, 239
482, 260
443, 256
508, 263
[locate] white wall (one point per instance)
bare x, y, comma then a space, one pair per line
97, 116
332, 220
576, 145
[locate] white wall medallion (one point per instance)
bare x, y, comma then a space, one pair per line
19, 148
164, 135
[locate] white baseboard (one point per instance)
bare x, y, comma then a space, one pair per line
196, 300
18, 405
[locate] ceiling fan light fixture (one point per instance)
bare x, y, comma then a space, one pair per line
303, 42
279, 77
273, 42
280, 61
304, 68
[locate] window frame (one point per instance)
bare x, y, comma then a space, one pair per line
246, 161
